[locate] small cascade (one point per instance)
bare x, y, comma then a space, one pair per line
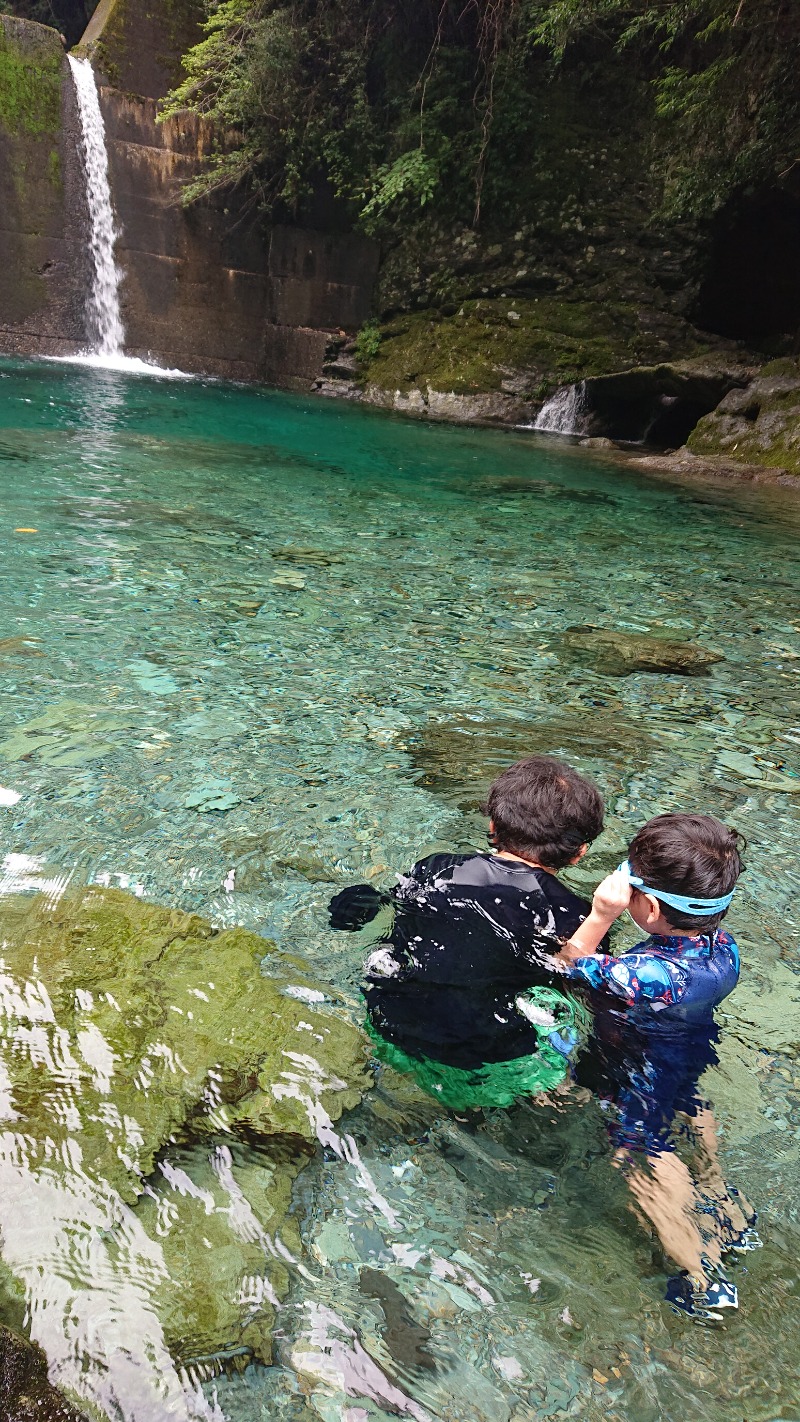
564, 412
107, 330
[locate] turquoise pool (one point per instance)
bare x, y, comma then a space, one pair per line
255, 647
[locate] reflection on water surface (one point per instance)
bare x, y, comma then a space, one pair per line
257, 648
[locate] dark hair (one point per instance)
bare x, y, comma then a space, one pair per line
687, 854
543, 809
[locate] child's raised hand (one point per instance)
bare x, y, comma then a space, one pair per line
612, 896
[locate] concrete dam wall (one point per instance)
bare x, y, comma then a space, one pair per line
241, 299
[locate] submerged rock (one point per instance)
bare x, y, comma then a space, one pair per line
26, 1395
68, 734
20, 647
460, 754
160, 1094
613, 653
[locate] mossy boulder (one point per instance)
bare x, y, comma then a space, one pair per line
613, 653
168, 1082
759, 425
177, 1025
522, 347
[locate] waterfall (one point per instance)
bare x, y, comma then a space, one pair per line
563, 413
107, 329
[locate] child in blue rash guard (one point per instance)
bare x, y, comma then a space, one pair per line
654, 1034
471, 935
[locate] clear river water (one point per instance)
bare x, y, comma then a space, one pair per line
280, 645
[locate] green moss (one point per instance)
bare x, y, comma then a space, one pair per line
30, 85
759, 425
551, 341
786, 365
173, 1056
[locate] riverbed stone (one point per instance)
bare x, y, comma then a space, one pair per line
614, 653
152, 1061
26, 1395
460, 753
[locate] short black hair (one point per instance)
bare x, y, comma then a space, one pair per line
542, 809
691, 855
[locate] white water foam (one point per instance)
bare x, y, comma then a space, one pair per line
105, 317
564, 412
127, 365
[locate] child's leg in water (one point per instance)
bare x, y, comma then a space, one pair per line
734, 1213
663, 1188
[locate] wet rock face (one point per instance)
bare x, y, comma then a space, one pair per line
25, 1393
621, 653
757, 425
43, 257
661, 404
163, 1087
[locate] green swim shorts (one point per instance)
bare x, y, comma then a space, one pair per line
498, 1083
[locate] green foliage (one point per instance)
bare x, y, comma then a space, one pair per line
398, 109
411, 178
724, 75
368, 342
373, 102
289, 86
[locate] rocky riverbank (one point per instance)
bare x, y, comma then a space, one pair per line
705, 406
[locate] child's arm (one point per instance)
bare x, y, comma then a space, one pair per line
610, 899
356, 906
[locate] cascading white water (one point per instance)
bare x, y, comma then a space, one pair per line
108, 331
563, 412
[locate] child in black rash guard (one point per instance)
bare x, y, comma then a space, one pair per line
472, 934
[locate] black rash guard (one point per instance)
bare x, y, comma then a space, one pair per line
470, 932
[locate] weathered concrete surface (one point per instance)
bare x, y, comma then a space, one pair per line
320, 279
194, 289
211, 290
138, 44
43, 254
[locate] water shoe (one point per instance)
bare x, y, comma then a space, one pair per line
702, 1305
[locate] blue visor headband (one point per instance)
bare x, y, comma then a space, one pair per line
698, 908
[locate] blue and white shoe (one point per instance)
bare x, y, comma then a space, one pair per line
702, 1305
748, 1240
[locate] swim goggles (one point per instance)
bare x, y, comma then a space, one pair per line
700, 908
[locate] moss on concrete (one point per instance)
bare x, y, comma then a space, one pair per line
529, 345
30, 79
759, 425
31, 72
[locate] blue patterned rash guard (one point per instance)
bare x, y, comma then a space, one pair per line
688, 976
654, 1031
